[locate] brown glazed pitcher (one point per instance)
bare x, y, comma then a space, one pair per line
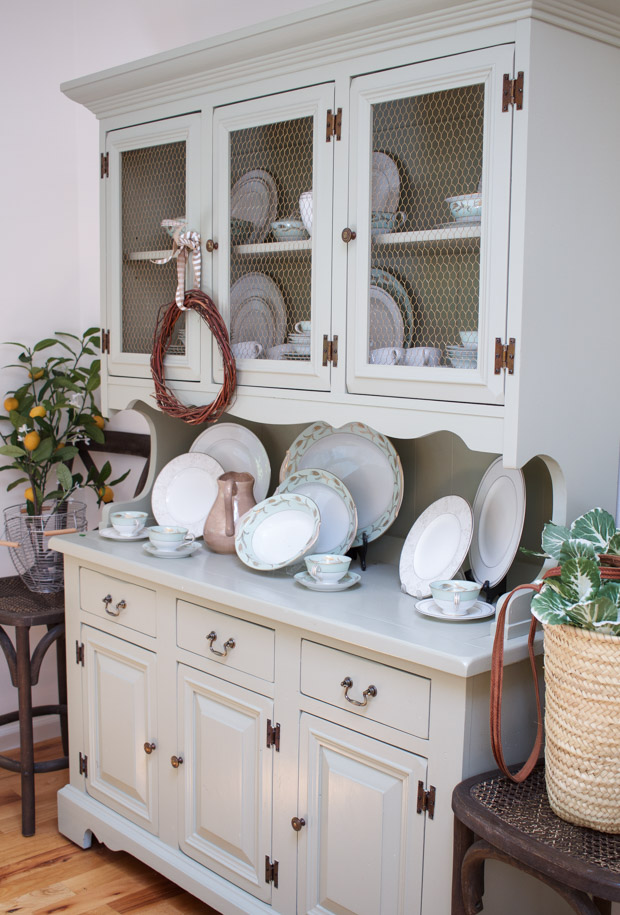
235, 496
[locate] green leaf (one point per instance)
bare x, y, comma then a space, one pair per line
548, 607
66, 453
92, 332
65, 333
607, 628
553, 536
105, 471
613, 546
16, 483
572, 549
44, 451
44, 344
93, 383
61, 381
579, 582
120, 479
611, 590
64, 477
13, 451
597, 526
586, 613
94, 432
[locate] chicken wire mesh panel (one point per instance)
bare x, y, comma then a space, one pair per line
152, 189
425, 229
271, 167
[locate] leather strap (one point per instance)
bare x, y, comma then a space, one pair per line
497, 682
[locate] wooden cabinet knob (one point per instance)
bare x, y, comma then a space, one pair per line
176, 761
348, 235
298, 823
149, 747
211, 245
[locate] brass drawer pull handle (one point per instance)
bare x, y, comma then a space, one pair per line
348, 683
149, 747
348, 235
230, 643
107, 600
297, 823
115, 611
176, 761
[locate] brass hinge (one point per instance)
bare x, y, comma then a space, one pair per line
79, 652
273, 735
512, 92
330, 350
505, 355
105, 341
333, 126
83, 766
105, 165
426, 800
271, 871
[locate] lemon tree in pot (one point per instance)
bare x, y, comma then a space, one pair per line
579, 607
47, 417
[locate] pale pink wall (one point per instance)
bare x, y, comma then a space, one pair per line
49, 219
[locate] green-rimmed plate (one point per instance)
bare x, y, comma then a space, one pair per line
278, 531
336, 505
385, 280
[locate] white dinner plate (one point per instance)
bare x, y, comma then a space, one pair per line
385, 325
185, 491
347, 581
499, 513
257, 294
254, 198
237, 448
385, 184
387, 281
436, 545
336, 506
277, 531
186, 549
365, 461
479, 611
110, 534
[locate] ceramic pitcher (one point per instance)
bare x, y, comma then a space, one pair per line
235, 496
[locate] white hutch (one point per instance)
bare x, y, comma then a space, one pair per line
246, 776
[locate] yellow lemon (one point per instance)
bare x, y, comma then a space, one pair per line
31, 441
99, 421
28, 494
106, 494
35, 374
38, 411
11, 403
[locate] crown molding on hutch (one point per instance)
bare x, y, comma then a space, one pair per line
286, 44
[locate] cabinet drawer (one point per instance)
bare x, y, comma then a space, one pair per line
119, 601
253, 650
402, 699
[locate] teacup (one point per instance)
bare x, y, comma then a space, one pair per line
169, 537
303, 327
469, 338
305, 208
420, 355
128, 524
455, 598
386, 355
327, 567
382, 222
249, 349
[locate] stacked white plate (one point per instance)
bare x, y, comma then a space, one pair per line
257, 311
463, 357
300, 344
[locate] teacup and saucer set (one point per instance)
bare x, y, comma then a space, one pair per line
170, 542
327, 572
127, 525
456, 601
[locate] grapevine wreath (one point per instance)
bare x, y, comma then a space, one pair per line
197, 301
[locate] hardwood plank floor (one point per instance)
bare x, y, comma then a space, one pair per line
46, 873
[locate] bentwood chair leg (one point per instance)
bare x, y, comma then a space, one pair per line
24, 690
61, 673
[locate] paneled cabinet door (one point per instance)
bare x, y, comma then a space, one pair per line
361, 850
226, 787
153, 175
429, 199
119, 690
272, 192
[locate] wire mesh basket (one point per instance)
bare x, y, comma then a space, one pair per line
39, 567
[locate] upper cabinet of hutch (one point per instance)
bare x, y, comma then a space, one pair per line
445, 239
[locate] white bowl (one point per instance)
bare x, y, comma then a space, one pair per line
289, 230
469, 338
465, 207
305, 208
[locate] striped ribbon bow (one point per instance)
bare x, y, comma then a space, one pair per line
183, 242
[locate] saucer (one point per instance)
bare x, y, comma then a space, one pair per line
479, 611
111, 534
347, 581
187, 549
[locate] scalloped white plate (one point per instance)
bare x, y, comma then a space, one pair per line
236, 448
499, 513
185, 491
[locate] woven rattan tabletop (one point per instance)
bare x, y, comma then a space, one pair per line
21, 607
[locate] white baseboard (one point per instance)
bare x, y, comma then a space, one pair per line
43, 728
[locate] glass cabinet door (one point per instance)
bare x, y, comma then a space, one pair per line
153, 176
429, 199
272, 222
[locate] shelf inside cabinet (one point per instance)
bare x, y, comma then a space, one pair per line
439, 234
275, 247
146, 255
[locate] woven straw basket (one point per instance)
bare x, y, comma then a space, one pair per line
582, 726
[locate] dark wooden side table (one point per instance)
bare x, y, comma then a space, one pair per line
22, 609
495, 818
